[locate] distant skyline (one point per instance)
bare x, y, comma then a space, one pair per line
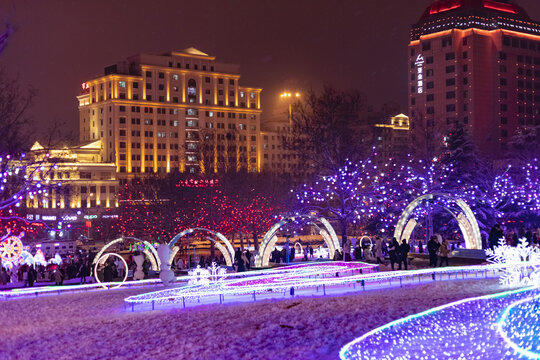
358, 44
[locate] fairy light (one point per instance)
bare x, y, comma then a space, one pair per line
440, 332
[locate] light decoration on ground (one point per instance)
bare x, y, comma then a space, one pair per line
39, 258
205, 277
310, 275
57, 260
26, 258
100, 261
521, 263
519, 326
11, 247
199, 276
465, 329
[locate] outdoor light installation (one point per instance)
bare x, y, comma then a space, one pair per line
466, 329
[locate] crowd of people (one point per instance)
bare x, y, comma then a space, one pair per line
28, 275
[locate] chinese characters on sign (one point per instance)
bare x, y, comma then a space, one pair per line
420, 73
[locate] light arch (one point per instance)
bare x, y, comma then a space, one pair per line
227, 250
269, 240
149, 251
465, 218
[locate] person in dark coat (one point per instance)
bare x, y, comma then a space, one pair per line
420, 247
495, 234
240, 266
433, 248
404, 249
393, 252
32, 275
108, 273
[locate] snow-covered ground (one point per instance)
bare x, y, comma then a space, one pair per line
95, 325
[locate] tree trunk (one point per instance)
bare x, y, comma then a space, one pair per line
241, 241
255, 242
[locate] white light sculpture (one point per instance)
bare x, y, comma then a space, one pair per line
521, 263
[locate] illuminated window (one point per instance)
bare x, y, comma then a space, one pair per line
175, 77
122, 84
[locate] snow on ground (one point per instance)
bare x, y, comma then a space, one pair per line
95, 325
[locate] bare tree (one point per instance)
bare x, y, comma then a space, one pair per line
14, 121
327, 130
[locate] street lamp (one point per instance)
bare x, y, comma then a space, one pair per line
290, 96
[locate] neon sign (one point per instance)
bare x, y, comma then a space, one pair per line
420, 73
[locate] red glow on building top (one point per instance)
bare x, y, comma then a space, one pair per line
495, 5
442, 7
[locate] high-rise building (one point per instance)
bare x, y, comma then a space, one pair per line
180, 111
476, 62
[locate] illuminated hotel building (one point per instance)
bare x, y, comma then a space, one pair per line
181, 111
476, 62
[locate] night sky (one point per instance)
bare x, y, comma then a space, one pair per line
279, 44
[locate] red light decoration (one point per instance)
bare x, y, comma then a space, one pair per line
447, 6
495, 5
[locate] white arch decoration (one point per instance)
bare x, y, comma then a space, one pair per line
149, 251
227, 250
466, 220
269, 240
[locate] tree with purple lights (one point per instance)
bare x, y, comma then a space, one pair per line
344, 197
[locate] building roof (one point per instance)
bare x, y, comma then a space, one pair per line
483, 14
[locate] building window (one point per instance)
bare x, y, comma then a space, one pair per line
426, 45
148, 74
450, 107
447, 41
122, 84
430, 97
450, 82
450, 69
450, 56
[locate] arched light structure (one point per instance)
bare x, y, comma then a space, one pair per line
269, 240
227, 250
149, 251
465, 218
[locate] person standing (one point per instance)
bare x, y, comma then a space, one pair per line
393, 250
310, 251
420, 247
378, 250
404, 249
444, 253
433, 248
347, 250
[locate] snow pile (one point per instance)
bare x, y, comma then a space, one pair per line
95, 325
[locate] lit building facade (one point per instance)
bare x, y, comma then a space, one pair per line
86, 183
393, 138
475, 62
275, 158
181, 111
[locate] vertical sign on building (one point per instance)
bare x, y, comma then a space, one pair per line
420, 73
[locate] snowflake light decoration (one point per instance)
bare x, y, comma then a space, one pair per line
522, 263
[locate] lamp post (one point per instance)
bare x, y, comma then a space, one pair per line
290, 97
